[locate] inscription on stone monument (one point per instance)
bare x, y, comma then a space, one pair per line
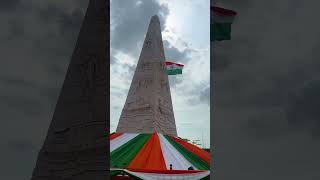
149, 98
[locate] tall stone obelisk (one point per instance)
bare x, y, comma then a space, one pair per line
76, 146
148, 107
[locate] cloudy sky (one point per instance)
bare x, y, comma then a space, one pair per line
266, 94
183, 43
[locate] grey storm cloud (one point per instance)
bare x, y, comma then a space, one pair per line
205, 95
130, 20
9, 5
174, 54
37, 40
129, 24
266, 92
303, 107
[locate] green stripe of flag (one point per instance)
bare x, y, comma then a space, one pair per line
174, 71
220, 31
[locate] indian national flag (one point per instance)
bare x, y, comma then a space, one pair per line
173, 68
221, 20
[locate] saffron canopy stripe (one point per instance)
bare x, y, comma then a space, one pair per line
150, 156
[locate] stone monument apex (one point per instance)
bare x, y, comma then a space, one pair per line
148, 107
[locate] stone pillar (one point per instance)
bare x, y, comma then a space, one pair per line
148, 107
76, 146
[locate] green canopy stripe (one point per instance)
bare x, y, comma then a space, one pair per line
121, 157
193, 159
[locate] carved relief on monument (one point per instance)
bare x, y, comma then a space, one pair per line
167, 87
163, 83
144, 66
161, 51
136, 104
146, 83
138, 84
162, 65
165, 107
101, 18
147, 42
61, 135
88, 70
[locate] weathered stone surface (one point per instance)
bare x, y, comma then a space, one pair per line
148, 107
76, 144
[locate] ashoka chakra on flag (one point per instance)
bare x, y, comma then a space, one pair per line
156, 156
173, 68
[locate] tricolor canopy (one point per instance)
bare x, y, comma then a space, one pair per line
221, 20
151, 156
